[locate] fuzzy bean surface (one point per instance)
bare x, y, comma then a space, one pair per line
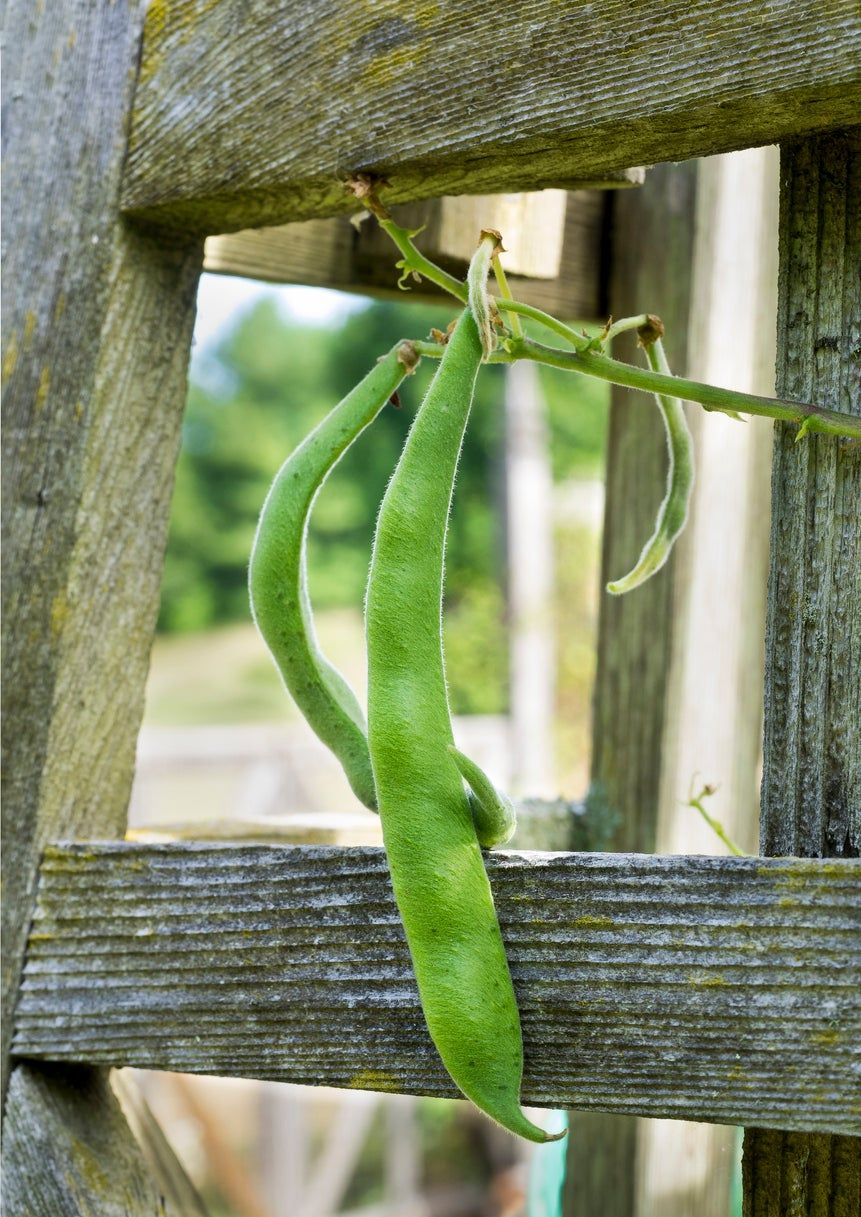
438, 874
492, 811
277, 578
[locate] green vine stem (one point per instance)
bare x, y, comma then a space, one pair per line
726, 401
696, 802
587, 356
505, 293
814, 418
580, 342
622, 326
415, 263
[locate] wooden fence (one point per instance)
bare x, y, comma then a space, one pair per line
722, 990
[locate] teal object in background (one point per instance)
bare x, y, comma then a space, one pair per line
735, 1196
547, 1171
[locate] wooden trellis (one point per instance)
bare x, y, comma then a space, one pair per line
724, 990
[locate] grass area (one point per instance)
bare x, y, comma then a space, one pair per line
577, 571
225, 675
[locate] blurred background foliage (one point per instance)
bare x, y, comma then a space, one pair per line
253, 397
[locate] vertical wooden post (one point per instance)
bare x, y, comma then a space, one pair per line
811, 790
708, 718
713, 725
97, 330
652, 246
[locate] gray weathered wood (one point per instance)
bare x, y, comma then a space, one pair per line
97, 328
652, 242
811, 791
250, 114
792, 1174
711, 988
67, 1150
330, 253
96, 331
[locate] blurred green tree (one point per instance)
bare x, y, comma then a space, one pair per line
260, 391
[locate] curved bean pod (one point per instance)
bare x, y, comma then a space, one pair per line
438, 875
673, 511
278, 584
493, 812
277, 580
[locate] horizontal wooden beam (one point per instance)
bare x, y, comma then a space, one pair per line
248, 113
720, 989
331, 253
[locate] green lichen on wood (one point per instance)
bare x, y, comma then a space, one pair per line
436, 118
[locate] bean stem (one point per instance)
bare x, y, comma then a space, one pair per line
622, 326
696, 802
587, 360
710, 397
414, 262
579, 341
505, 294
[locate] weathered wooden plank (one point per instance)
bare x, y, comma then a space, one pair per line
793, 1174
811, 789
709, 988
330, 253
97, 328
249, 114
68, 1152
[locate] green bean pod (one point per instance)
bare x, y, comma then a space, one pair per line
282, 609
438, 874
673, 512
277, 578
493, 812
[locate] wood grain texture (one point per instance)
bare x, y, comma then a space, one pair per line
249, 114
707, 988
811, 790
68, 1152
96, 333
791, 1174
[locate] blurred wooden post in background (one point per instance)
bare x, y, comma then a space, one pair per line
678, 690
713, 712
652, 244
557, 271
